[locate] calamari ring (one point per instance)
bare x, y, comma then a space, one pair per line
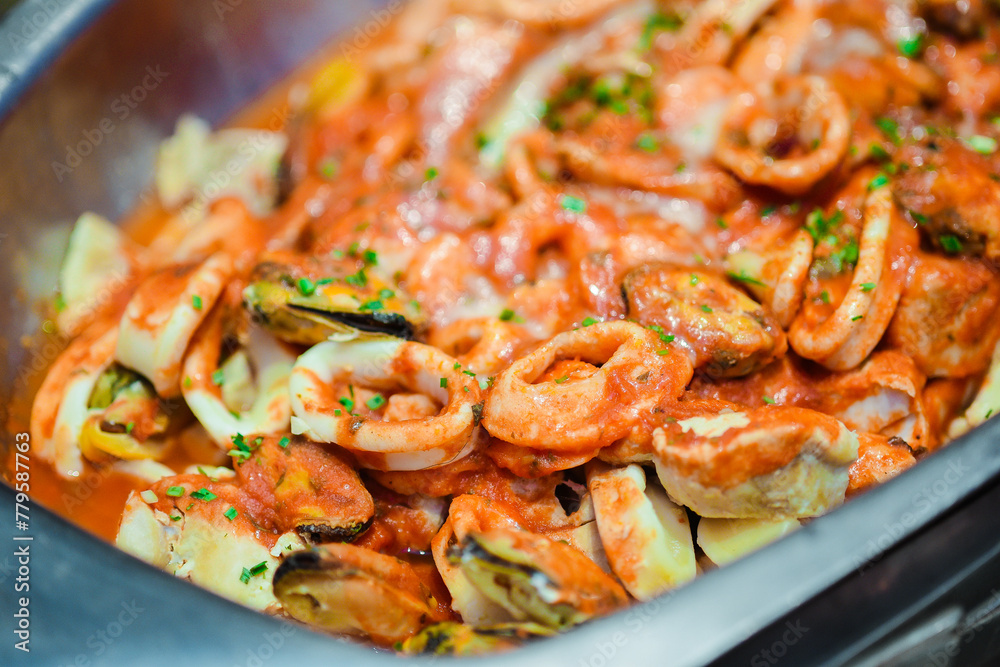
163, 315
848, 336
738, 151
485, 345
60, 410
594, 411
271, 409
411, 444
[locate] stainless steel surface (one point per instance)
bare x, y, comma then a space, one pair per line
210, 58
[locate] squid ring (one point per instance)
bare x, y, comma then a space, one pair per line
410, 444
164, 314
739, 152
848, 336
271, 409
637, 371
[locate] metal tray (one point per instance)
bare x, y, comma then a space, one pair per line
907, 574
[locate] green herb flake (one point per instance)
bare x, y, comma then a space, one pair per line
694, 279
359, 279
744, 277
218, 377
706, 309
867, 287
506, 315
982, 144
444, 383
889, 128
824, 296
231, 514
430, 174
857, 317
306, 287
878, 153
587, 321
663, 353
371, 306
768, 211
284, 442
196, 302
769, 400
175, 491
647, 142
721, 224
203, 494
375, 402
879, 181
910, 47
950, 243
370, 257
562, 379
346, 402
574, 204
656, 24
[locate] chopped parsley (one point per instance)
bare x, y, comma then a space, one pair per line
573, 204
284, 442
346, 402
824, 296
879, 181
306, 287
231, 513
430, 174
744, 277
721, 224
444, 383
175, 491
218, 377
371, 305
562, 379
663, 353
769, 400
889, 128
856, 318
820, 227
256, 570
647, 142
375, 402
656, 24
196, 302
910, 47
705, 308
951, 243
694, 279
358, 279
867, 287
370, 257
203, 494
587, 321
506, 315
982, 144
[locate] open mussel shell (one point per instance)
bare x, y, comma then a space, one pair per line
372, 309
535, 578
460, 639
128, 420
345, 589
